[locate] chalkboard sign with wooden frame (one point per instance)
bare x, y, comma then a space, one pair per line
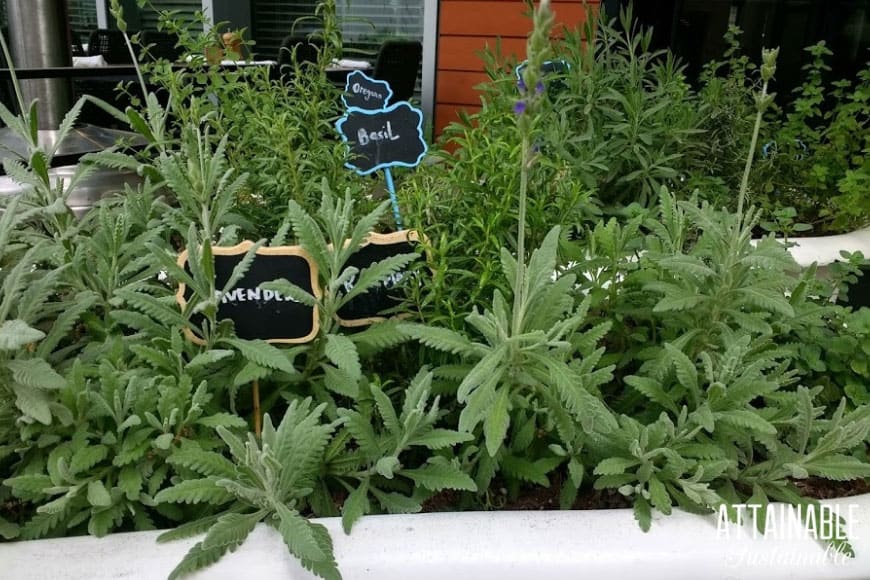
367, 308
263, 314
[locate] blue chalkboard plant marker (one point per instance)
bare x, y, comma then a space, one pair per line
380, 135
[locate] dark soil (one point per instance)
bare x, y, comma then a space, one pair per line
547, 498
827, 489
532, 499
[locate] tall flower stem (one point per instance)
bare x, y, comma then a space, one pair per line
762, 101
744, 183
118, 14
527, 109
519, 283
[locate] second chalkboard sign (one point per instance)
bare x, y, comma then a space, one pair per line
257, 313
372, 305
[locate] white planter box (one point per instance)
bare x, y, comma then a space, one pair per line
575, 545
826, 249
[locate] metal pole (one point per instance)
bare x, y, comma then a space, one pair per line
38, 38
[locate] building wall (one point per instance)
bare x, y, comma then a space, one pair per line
465, 27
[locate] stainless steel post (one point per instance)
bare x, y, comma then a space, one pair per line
38, 39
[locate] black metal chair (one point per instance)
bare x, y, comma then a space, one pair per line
161, 45
301, 51
398, 63
76, 49
110, 44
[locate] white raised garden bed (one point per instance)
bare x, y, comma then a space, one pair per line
594, 544
825, 250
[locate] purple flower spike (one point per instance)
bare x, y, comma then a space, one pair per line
520, 107
539, 88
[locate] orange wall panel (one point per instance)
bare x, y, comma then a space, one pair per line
497, 17
462, 52
446, 114
457, 87
465, 28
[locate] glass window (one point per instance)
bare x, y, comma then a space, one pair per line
365, 24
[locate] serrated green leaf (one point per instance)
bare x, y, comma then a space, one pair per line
231, 530
298, 536
652, 390
687, 374
497, 422
615, 465
838, 467
442, 339
683, 264
209, 357
197, 558
15, 334
642, 513
86, 457
102, 520
575, 472
767, 300
33, 403
42, 523
35, 373
682, 301
57, 505
28, 485
160, 311
532, 471
438, 473
309, 235
759, 498
189, 529
355, 506
226, 420
263, 354
164, 441
744, 419
440, 438
341, 351
291, 291
386, 466
386, 411
340, 381
8, 530
204, 490
658, 495
379, 336
250, 372
376, 273
484, 371
130, 481
98, 495
396, 503
203, 462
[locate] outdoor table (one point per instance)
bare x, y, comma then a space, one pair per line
336, 72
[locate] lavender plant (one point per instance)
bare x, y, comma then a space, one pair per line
534, 369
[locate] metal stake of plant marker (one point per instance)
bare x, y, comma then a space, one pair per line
395, 201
